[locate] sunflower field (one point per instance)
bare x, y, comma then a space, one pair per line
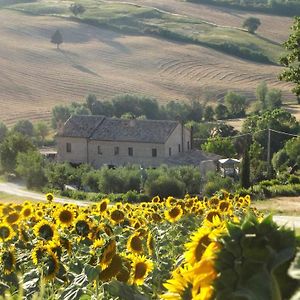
191, 248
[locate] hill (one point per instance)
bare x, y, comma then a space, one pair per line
35, 76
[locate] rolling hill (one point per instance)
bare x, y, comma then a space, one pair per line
35, 76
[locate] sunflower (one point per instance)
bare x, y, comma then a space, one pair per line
170, 201
51, 266
196, 247
65, 216
12, 217
49, 197
45, 230
82, 225
65, 243
27, 211
112, 270
134, 244
8, 260
174, 214
150, 244
97, 244
124, 273
108, 253
211, 214
117, 216
140, 268
103, 205
179, 286
6, 232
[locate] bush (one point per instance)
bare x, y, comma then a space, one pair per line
165, 186
294, 179
215, 183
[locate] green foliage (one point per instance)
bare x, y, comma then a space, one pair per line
251, 24
219, 145
165, 186
236, 104
208, 113
29, 165
291, 60
57, 38
41, 130
60, 114
215, 183
13, 144
277, 119
221, 112
253, 261
24, 127
245, 170
3, 131
288, 156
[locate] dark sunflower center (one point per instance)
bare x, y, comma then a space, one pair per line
174, 212
224, 206
140, 270
4, 232
26, 212
65, 216
212, 214
82, 228
12, 218
103, 206
136, 244
117, 215
202, 244
46, 232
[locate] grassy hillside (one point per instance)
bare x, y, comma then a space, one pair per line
35, 76
140, 19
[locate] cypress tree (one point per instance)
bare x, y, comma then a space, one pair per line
245, 170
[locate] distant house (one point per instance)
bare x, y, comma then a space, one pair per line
98, 140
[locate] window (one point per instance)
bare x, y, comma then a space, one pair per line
69, 147
170, 151
99, 150
154, 152
116, 150
130, 151
179, 148
188, 145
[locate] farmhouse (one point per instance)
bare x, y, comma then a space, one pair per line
98, 140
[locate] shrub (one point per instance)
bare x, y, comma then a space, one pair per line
165, 186
294, 179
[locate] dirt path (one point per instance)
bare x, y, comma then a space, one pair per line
288, 206
19, 190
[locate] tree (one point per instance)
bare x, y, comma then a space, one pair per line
77, 9
208, 113
60, 114
236, 104
24, 127
13, 144
291, 60
221, 112
273, 99
220, 146
41, 130
245, 170
261, 92
3, 131
251, 24
57, 38
29, 165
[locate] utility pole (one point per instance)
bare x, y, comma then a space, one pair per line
269, 152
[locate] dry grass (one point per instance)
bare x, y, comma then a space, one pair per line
8, 198
274, 28
34, 76
289, 206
